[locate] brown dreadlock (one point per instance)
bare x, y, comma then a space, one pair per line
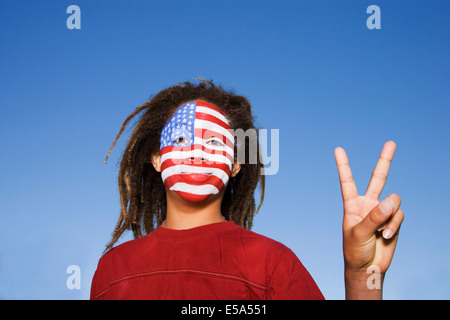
142, 192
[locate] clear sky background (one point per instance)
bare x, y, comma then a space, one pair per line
311, 69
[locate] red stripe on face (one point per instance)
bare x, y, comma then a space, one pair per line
207, 134
190, 149
209, 105
195, 179
211, 118
222, 166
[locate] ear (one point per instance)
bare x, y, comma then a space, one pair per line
156, 161
235, 169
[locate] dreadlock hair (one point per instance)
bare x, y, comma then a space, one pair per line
142, 192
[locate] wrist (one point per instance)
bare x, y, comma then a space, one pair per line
364, 284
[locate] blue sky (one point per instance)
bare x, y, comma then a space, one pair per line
311, 69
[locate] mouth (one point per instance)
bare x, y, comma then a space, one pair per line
197, 177
190, 172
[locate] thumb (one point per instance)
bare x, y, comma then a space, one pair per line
378, 216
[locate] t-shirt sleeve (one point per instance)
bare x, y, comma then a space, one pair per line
291, 281
99, 280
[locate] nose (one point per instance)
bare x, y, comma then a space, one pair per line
196, 156
197, 160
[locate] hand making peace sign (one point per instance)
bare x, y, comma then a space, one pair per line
370, 228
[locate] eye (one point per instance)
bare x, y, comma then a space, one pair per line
215, 142
181, 140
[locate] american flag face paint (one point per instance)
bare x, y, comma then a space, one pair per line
197, 151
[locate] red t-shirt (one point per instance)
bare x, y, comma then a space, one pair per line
216, 261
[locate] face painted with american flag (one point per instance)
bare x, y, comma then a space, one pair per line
197, 151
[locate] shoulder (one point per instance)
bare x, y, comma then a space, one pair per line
256, 247
257, 239
285, 275
126, 250
115, 264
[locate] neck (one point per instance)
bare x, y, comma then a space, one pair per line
182, 214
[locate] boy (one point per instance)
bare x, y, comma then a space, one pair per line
190, 205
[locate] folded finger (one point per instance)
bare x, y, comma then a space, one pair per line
393, 226
378, 216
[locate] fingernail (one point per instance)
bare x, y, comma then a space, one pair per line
386, 206
387, 233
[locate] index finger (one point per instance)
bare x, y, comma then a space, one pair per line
348, 186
